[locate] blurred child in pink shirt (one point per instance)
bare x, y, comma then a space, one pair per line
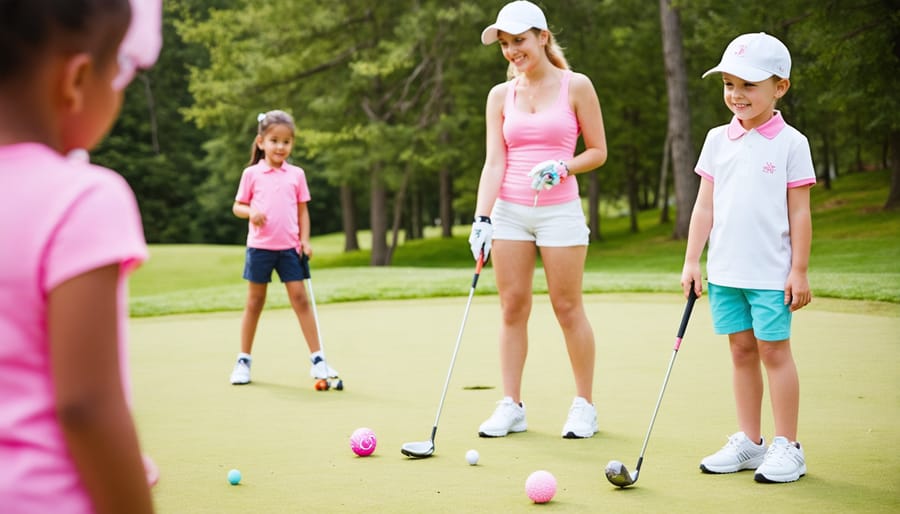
71, 233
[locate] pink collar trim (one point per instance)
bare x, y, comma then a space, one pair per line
769, 129
263, 166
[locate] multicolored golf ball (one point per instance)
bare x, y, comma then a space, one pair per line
540, 486
363, 441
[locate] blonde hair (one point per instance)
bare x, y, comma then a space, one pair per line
552, 49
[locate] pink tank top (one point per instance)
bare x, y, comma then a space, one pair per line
550, 133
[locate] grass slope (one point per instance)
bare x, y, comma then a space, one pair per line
855, 255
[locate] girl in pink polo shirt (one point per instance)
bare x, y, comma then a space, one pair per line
272, 196
71, 234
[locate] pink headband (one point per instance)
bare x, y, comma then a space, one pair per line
142, 42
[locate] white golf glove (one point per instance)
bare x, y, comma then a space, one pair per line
547, 174
480, 238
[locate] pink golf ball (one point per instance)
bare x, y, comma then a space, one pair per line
540, 486
363, 442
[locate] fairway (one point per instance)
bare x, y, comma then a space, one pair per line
291, 442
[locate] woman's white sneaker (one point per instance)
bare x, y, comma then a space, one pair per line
784, 462
582, 420
738, 453
509, 416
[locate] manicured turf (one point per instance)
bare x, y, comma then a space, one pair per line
291, 442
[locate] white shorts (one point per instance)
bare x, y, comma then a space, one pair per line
552, 225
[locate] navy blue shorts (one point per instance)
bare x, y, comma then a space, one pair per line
259, 264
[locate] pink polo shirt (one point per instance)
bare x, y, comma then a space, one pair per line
58, 219
275, 192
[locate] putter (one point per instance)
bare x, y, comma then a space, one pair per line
616, 472
422, 449
304, 262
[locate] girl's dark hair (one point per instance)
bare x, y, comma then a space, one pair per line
29, 27
265, 121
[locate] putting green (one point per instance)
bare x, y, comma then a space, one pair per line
291, 442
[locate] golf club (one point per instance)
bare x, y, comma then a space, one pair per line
422, 449
304, 262
616, 472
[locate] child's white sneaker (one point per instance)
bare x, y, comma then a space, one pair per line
784, 462
240, 375
737, 454
320, 369
582, 420
509, 416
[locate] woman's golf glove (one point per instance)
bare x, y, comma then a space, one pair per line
548, 174
480, 238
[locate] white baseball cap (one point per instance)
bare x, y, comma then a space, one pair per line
755, 57
515, 18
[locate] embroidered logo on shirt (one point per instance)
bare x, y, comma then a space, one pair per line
769, 168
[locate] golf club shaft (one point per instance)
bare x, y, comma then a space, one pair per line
304, 260
462, 327
692, 297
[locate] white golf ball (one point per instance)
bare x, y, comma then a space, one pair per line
472, 457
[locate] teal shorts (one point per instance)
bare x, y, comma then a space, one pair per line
763, 310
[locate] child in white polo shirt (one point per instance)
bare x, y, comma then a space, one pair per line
753, 208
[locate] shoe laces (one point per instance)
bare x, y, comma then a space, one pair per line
735, 441
578, 410
780, 453
507, 408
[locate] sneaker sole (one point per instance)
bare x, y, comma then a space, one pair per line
724, 470
575, 435
779, 479
513, 430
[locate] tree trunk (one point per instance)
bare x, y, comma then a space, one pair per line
348, 218
446, 203
663, 197
378, 217
399, 203
679, 126
893, 201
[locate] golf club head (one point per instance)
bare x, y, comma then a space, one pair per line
418, 450
618, 474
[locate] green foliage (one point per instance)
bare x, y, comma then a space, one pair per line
400, 87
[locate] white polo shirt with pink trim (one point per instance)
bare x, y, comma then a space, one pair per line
58, 219
750, 242
275, 192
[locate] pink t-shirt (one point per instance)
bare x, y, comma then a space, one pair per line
275, 192
531, 138
58, 219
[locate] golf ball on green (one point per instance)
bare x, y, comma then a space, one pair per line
472, 457
234, 477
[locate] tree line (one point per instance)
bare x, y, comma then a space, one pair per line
389, 100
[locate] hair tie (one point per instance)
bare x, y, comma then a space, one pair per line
261, 116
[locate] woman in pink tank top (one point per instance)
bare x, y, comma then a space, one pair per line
528, 201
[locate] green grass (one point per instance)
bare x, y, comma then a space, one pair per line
855, 255
291, 442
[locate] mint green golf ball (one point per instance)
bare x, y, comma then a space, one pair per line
234, 477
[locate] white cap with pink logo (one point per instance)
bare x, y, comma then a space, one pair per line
755, 57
